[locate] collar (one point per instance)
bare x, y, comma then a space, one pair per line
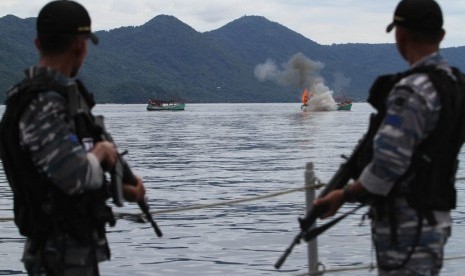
432, 59
42, 71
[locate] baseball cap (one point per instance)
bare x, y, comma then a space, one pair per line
65, 17
421, 15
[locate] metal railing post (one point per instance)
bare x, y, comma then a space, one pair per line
312, 246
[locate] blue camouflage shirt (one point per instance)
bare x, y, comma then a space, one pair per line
47, 132
413, 109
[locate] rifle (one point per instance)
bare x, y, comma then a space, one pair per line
346, 171
122, 173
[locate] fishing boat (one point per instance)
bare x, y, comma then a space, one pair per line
344, 105
160, 105
306, 95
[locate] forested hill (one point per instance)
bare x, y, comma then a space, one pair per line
165, 58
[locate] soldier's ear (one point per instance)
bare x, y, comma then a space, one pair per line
80, 47
37, 43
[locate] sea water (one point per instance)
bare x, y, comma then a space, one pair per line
213, 153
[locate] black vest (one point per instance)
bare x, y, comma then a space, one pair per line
39, 206
431, 175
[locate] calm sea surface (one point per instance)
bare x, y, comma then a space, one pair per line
214, 152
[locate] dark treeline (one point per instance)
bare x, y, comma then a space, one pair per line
166, 58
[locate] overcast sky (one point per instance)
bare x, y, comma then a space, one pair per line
323, 21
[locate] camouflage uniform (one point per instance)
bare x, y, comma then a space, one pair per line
411, 117
47, 132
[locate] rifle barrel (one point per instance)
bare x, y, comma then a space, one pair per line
128, 177
143, 205
288, 251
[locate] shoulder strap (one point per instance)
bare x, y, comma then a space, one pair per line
80, 100
383, 85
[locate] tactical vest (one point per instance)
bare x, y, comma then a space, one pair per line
431, 175
39, 206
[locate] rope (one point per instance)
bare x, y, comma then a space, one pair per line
335, 270
316, 185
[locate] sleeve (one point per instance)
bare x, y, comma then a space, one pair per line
46, 132
412, 112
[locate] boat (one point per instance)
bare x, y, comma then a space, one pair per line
306, 95
160, 105
344, 105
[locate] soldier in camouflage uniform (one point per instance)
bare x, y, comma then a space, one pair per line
410, 240
56, 172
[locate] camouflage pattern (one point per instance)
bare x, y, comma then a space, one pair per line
47, 133
75, 260
413, 109
428, 249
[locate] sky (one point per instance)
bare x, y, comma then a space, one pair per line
323, 21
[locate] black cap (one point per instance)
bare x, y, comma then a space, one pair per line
420, 15
64, 17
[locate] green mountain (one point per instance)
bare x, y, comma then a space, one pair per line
165, 58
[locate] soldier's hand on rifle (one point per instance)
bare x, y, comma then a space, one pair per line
133, 193
333, 201
106, 153
350, 193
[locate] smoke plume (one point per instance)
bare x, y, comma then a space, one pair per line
300, 72
340, 82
